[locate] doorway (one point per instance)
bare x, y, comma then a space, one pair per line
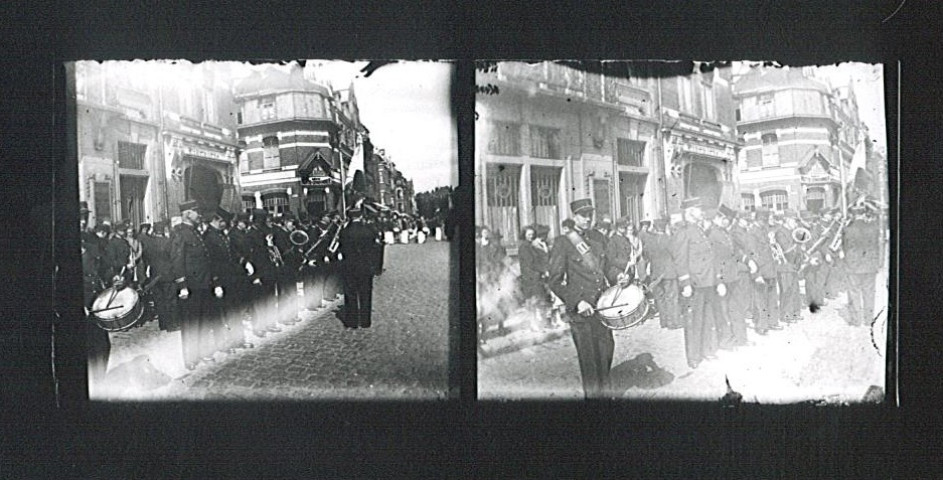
700, 180
133, 190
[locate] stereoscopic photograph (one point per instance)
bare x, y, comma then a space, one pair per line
711, 231
260, 231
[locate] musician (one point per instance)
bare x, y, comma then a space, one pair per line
193, 279
118, 253
790, 301
731, 324
263, 276
605, 228
135, 262
230, 288
156, 254
659, 253
623, 254
315, 269
357, 248
577, 261
97, 339
287, 274
765, 277
700, 282
741, 290
863, 257
813, 268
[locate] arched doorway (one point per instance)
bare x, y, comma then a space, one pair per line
701, 180
203, 184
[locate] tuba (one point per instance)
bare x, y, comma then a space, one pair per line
298, 237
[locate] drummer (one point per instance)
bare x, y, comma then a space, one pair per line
576, 276
97, 340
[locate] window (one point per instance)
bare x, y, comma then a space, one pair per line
765, 105
267, 108
270, 157
131, 155
630, 152
707, 102
505, 139
770, 150
686, 94
545, 142
275, 203
248, 203
239, 117
749, 203
102, 202
775, 200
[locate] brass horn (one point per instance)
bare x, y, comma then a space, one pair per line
801, 235
298, 237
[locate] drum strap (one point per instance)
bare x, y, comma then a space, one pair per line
583, 248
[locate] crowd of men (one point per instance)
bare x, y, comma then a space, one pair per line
217, 277
709, 272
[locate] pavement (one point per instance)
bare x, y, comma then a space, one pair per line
404, 355
818, 359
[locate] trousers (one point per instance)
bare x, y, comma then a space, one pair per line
594, 350
358, 298
861, 297
198, 325
765, 305
700, 333
666, 300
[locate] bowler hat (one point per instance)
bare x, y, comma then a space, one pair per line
691, 202
83, 207
224, 215
581, 205
259, 214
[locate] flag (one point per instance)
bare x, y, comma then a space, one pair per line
356, 162
858, 174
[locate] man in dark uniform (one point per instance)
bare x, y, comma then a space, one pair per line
700, 281
193, 280
157, 258
97, 339
790, 301
287, 274
657, 248
863, 257
229, 285
357, 248
118, 252
263, 274
740, 291
731, 325
577, 260
766, 300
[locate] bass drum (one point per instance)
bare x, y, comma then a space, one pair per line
117, 311
622, 307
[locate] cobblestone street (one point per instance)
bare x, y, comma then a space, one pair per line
820, 358
404, 355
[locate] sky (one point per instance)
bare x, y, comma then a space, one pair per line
406, 107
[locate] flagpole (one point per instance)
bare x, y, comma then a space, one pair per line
841, 173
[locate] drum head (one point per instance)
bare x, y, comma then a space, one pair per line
125, 300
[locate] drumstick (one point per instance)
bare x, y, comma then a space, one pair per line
106, 309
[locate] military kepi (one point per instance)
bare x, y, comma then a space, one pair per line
188, 205
727, 212
581, 206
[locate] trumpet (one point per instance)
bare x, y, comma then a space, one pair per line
274, 254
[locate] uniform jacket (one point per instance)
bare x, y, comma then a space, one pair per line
259, 253
224, 264
762, 254
117, 254
861, 241
240, 244
157, 256
695, 257
190, 260
742, 245
357, 241
790, 250
726, 257
91, 265
658, 250
618, 252
571, 278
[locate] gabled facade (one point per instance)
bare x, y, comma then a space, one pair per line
799, 136
296, 135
